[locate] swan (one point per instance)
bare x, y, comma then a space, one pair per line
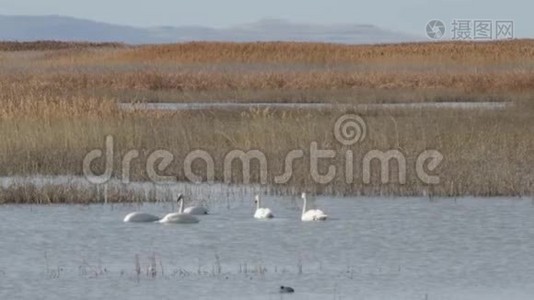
140, 217
196, 210
312, 214
262, 213
179, 217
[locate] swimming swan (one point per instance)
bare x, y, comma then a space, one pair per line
179, 217
262, 213
312, 214
140, 217
196, 210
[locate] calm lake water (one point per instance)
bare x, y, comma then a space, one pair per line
370, 248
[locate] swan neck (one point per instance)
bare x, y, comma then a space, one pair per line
258, 203
304, 205
181, 209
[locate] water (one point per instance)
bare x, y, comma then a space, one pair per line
261, 105
370, 248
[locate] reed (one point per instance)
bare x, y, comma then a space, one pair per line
57, 105
53, 45
279, 71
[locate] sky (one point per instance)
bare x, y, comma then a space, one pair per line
409, 16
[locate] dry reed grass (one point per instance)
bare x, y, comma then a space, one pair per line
282, 71
67, 194
53, 45
56, 109
486, 153
452, 53
520, 81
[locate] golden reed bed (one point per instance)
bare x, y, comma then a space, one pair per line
58, 102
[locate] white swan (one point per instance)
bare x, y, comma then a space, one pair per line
262, 213
140, 217
196, 210
179, 217
312, 214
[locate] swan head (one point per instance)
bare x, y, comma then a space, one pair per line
303, 195
257, 199
180, 197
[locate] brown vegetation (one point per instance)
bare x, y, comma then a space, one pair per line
288, 72
56, 106
53, 45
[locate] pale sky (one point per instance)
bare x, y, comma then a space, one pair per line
408, 16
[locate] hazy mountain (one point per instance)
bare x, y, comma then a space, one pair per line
31, 28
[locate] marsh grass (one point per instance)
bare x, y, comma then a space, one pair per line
486, 153
53, 45
66, 194
54, 109
287, 72
452, 53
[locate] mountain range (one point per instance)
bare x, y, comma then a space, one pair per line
61, 28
